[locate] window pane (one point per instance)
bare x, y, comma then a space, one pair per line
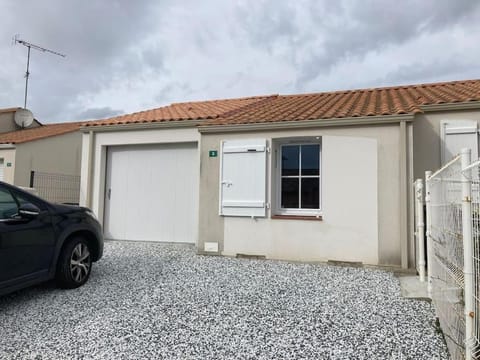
310, 193
290, 193
8, 206
310, 159
290, 157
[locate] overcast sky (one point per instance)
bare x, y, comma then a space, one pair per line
125, 56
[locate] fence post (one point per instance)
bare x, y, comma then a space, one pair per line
429, 237
420, 228
32, 177
467, 251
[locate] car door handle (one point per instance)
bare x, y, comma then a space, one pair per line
109, 193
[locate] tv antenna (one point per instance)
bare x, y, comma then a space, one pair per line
29, 47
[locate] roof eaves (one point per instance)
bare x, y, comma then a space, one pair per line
14, 138
41, 137
332, 122
7, 110
466, 105
143, 126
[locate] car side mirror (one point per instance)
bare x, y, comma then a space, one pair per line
28, 211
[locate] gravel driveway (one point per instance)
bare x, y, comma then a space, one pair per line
148, 300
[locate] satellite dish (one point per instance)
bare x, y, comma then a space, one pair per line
23, 118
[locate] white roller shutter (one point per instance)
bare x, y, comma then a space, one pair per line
457, 135
243, 178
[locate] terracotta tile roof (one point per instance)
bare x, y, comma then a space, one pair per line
385, 101
353, 103
26, 135
199, 110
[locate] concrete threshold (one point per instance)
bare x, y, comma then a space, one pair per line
413, 288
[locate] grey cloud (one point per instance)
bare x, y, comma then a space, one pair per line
98, 113
197, 50
174, 92
371, 25
272, 22
98, 38
204, 38
154, 57
447, 12
164, 93
442, 69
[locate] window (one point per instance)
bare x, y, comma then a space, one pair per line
299, 179
8, 205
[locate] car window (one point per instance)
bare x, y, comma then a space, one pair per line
8, 205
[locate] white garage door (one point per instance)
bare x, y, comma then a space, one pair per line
152, 193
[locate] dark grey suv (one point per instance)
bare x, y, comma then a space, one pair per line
40, 241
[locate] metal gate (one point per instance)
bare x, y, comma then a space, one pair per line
452, 197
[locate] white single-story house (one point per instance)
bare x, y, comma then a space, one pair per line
49, 149
309, 177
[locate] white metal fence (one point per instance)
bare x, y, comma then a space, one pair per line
453, 233
473, 173
57, 188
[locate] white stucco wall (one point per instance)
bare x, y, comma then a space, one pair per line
427, 141
349, 228
55, 154
360, 200
101, 140
360, 187
8, 156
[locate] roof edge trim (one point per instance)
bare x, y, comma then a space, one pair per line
142, 126
364, 120
451, 106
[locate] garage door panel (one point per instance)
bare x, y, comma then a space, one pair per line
157, 199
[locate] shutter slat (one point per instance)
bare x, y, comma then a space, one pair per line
243, 178
246, 204
240, 149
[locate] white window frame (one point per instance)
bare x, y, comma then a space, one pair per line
278, 177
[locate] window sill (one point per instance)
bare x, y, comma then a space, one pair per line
297, 217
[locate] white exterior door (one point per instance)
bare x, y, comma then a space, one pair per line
456, 135
151, 193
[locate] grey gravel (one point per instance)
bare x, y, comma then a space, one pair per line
151, 301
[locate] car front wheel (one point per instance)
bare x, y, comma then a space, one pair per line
74, 264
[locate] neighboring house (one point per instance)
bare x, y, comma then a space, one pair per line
311, 177
7, 121
51, 148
